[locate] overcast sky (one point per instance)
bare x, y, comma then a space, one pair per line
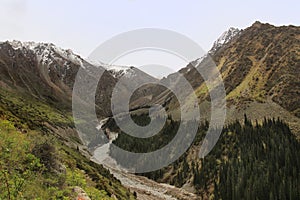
83, 25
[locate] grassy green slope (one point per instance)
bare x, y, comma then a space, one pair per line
36, 163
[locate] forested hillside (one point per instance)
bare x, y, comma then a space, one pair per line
250, 161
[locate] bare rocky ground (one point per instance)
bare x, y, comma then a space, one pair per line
145, 188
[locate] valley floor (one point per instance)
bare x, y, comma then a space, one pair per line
145, 188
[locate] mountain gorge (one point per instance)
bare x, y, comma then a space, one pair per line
260, 69
41, 148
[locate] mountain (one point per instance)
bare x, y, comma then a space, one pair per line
37, 128
260, 70
256, 156
123, 71
226, 37
44, 153
129, 78
36, 81
41, 70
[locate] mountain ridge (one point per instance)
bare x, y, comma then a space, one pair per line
248, 65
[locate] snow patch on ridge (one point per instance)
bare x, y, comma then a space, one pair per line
47, 52
226, 37
116, 71
119, 71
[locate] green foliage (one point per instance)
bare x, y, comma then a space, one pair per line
78, 178
31, 168
140, 145
30, 112
181, 167
249, 161
36, 164
257, 162
18, 167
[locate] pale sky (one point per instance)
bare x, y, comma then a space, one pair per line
83, 25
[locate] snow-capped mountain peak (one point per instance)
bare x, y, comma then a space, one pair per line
119, 71
226, 37
116, 70
47, 52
